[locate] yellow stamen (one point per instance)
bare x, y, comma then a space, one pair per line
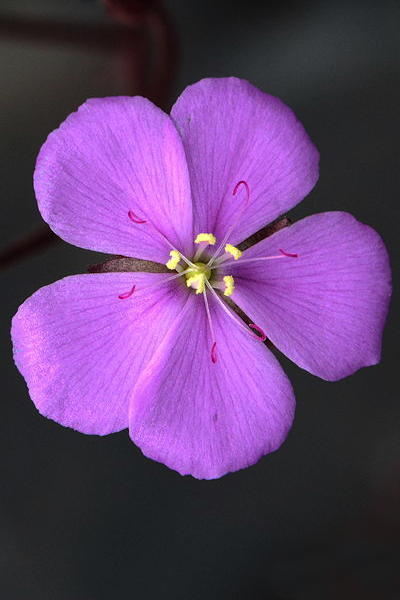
236, 253
173, 261
229, 285
205, 237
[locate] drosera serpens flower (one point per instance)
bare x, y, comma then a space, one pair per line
169, 341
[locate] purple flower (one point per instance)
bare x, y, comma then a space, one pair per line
164, 353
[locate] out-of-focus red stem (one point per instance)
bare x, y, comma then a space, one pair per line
37, 240
165, 44
102, 37
147, 44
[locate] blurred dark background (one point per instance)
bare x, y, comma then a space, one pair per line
90, 518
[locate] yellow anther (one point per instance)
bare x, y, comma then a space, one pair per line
205, 237
229, 285
173, 261
236, 253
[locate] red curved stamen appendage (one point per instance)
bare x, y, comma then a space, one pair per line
235, 220
133, 217
246, 185
126, 295
262, 337
214, 352
289, 254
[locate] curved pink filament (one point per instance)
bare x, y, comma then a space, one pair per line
214, 352
262, 337
246, 185
133, 217
235, 221
127, 294
289, 254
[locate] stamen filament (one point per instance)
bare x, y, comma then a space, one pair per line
248, 260
234, 317
237, 186
204, 240
186, 260
214, 352
135, 219
134, 289
126, 295
262, 337
222, 259
235, 222
199, 251
258, 258
290, 254
214, 343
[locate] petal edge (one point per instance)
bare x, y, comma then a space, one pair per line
327, 308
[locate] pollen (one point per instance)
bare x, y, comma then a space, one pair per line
229, 285
174, 260
236, 253
205, 237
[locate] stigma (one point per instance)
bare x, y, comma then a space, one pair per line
197, 276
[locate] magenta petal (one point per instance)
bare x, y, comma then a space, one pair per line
325, 309
231, 132
81, 348
208, 419
113, 156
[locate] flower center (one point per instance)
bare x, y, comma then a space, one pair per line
197, 276
209, 276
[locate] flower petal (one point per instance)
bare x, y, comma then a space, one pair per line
112, 156
81, 348
231, 132
325, 309
208, 419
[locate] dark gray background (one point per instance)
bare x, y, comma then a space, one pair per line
90, 518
